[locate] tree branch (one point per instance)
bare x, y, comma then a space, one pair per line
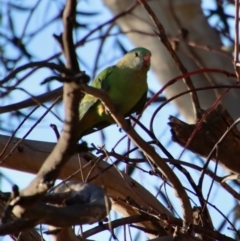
66, 145
163, 37
146, 148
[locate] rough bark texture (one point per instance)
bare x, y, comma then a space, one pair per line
31, 154
208, 134
29, 235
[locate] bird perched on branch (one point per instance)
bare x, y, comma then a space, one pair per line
126, 85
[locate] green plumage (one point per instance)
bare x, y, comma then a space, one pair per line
126, 85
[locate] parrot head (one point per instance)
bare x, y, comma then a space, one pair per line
137, 59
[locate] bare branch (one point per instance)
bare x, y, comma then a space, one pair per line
34, 152
66, 145
36, 100
84, 203
163, 37
214, 126
236, 43
147, 150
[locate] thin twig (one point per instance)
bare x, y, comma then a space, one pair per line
29, 131
67, 143
163, 37
15, 131
34, 100
147, 150
236, 43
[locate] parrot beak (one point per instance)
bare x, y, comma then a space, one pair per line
146, 59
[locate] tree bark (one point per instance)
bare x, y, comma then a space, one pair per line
119, 186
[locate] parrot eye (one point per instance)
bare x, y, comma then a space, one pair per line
136, 54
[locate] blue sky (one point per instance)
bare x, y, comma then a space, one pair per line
44, 46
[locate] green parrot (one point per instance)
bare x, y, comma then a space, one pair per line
126, 85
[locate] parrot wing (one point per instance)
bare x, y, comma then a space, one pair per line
100, 82
138, 108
